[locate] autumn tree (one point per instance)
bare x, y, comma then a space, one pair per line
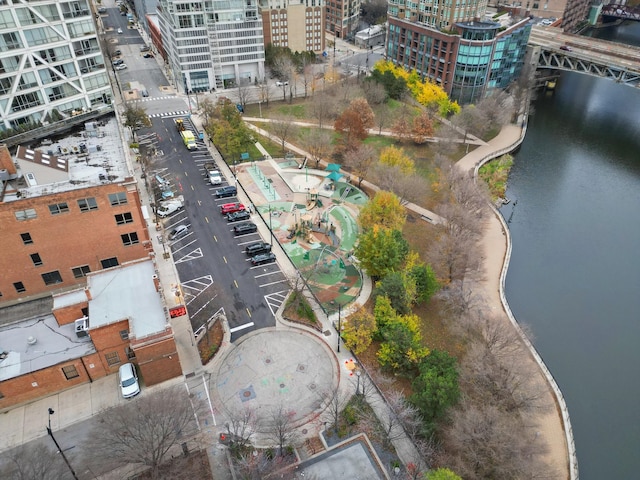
208, 109
285, 129
395, 157
358, 331
422, 128
381, 251
401, 128
441, 474
135, 118
383, 210
354, 122
317, 142
144, 431
360, 160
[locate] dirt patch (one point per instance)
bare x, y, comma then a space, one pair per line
210, 341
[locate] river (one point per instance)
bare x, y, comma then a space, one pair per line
574, 275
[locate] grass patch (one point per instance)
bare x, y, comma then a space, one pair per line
298, 309
495, 174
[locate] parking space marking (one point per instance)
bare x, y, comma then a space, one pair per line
193, 288
265, 274
275, 300
272, 283
185, 245
197, 253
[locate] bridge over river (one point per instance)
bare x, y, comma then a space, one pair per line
562, 51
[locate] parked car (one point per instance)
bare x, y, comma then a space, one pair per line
145, 48
144, 93
263, 258
122, 66
102, 10
281, 84
258, 247
228, 191
117, 62
245, 228
178, 232
231, 208
117, 53
119, 31
238, 216
148, 55
128, 379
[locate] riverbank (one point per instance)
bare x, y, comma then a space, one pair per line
552, 425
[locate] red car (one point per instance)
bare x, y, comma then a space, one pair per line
231, 208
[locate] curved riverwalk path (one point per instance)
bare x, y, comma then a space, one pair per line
553, 425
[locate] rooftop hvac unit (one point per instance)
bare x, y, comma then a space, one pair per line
82, 327
30, 178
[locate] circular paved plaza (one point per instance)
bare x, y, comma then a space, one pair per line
275, 368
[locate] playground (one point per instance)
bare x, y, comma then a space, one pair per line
313, 215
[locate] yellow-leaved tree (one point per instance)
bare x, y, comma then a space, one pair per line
395, 157
358, 331
383, 210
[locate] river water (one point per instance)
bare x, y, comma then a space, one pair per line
574, 275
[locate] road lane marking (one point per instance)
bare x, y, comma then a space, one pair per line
225, 261
241, 327
248, 312
236, 284
207, 219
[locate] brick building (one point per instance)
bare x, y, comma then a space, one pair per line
75, 236
298, 24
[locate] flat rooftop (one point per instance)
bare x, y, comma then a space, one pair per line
93, 155
38, 343
127, 292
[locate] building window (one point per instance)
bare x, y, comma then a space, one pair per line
57, 208
19, 286
26, 238
27, 214
35, 258
130, 353
123, 218
70, 372
124, 334
119, 198
112, 358
129, 238
51, 278
79, 272
109, 262
87, 204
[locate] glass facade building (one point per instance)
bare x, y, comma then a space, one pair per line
51, 64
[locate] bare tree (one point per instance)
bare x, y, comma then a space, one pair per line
285, 129
264, 95
244, 93
280, 427
482, 441
400, 418
208, 109
336, 402
360, 161
241, 423
497, 108
307, 74
374, 92
323, 108
317, 142
145, 430
259, 464
33, 461
285, 69
383, 116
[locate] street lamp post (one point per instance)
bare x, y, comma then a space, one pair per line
358, 384
339, 326
260, 107
50, 432
270, 226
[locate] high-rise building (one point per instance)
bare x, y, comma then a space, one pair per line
450, 47
343, 17
575, 14
212, 44
51, 65
297, 24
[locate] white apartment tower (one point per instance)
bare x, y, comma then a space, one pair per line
212, 44
51, 65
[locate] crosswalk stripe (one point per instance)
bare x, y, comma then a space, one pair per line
180, 113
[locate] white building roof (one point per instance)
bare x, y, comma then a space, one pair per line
127, 292
39, 343
67, 299
92, 157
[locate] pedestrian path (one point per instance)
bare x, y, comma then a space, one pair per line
155, 99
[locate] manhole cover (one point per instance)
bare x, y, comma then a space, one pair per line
267, 360
302, 368
304, 431
282, 385
246, 394
312, 386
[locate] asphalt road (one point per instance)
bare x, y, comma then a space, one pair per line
215, 273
